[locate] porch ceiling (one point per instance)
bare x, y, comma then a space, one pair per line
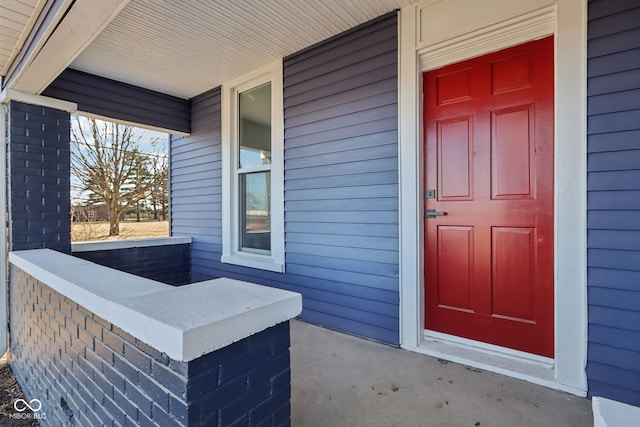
17, 18
185, 48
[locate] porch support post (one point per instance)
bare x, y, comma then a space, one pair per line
38, 177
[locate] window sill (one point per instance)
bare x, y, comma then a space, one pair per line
254, 261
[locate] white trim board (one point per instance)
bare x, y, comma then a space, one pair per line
428, 40
8, 95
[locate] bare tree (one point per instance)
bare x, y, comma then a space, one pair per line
105, 158
159, 190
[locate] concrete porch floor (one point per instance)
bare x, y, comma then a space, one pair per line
340, 380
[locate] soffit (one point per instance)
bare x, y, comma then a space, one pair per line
16, 21
184, 48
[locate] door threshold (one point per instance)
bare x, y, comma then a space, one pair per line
528, 367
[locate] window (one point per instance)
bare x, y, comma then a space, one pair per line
253, 170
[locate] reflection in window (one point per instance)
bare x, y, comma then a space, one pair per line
254, 169
255, 211
254, 114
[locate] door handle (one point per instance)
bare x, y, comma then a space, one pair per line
432, 213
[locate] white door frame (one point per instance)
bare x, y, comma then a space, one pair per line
435, 33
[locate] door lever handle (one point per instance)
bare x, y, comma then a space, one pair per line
432, 213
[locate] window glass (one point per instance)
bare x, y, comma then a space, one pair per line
255, 211
254, 122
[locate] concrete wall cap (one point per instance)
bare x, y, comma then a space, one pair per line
610, 413
184, 322
107, 245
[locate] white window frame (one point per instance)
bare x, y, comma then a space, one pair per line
231, 252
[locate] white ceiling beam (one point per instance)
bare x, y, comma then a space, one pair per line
43, 101
83, 22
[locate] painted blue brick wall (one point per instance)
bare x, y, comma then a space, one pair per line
38, 171
88, 372
168, 264
341, 184
613, 366
247, 383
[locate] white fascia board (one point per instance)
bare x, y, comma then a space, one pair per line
81, 22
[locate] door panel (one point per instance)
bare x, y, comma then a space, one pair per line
512, 153
513, 272
489, 157
455, 159
455, 252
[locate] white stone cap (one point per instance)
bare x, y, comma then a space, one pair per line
184, 322
106, 245
610, 413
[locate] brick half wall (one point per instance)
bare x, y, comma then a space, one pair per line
87, 371
170, 264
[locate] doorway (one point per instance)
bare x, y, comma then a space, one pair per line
488, 200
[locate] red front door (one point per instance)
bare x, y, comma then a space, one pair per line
488, 128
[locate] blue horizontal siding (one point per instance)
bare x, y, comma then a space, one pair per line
613, 220
614, 82
613, 19
628, 380
195, 198
623, 299
614, 239
621, 200
341, 184
613, 200
615, 392
614, 181
614, 259
615, 43
612, 102
615, 279
117, 100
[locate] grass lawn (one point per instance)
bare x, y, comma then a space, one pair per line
87, 231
